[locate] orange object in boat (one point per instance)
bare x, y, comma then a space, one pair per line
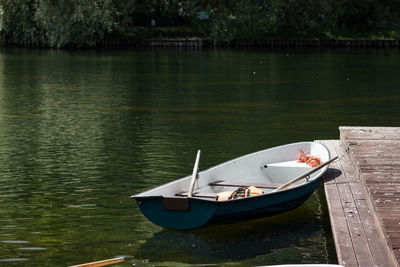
222, 196
239, 193
254, 191
309, 159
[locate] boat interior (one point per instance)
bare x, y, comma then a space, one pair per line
269, 178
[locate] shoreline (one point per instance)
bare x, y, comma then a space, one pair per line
210, 43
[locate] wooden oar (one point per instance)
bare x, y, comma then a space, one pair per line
194, 175
101, 263
301, 177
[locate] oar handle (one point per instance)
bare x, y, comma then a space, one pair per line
301, 177
194, 175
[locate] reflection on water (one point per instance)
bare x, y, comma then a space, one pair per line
81, 131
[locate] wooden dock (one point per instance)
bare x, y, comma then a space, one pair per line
362, 190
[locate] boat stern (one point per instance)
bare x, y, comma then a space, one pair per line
180, 213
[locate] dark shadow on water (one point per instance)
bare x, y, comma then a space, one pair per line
238, 242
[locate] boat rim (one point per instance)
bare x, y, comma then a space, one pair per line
138, 196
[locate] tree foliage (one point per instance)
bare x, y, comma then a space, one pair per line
165, 13
17, 21
365, 15
241, 20
58, 23
299, 18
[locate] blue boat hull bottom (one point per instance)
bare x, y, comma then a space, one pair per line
203, 212
169, 206
262, 213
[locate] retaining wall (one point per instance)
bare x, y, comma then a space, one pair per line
235, 43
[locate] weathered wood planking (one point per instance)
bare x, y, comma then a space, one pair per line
375, 152
357, 238
369, 133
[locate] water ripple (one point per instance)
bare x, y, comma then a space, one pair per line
13, 259
15, 241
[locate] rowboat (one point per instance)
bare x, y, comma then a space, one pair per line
191, 202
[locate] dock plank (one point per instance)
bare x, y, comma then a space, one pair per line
340, 229
357, 236
341, 234
374, 240
365, 236
370, 133
375, 153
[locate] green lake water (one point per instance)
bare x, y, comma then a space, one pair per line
81, 131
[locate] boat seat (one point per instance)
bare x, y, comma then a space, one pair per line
231, 184
290, 163
245, 184
283, 172
196, 194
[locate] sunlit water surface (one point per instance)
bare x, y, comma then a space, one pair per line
81, 131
